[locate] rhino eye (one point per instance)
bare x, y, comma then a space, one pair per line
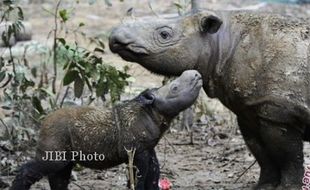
164, 35
174, 88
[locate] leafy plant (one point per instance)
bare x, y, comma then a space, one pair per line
31, 92
85, 68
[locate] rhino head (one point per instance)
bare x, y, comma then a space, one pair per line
167, 45
174, 97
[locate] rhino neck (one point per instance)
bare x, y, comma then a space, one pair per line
145, 124
223, 45
162, 121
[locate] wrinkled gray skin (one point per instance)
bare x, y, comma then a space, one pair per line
257, 64
137, 123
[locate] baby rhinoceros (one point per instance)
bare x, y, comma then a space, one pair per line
86, 134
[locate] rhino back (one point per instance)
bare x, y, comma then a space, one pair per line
126, 126
268, 59
100, 130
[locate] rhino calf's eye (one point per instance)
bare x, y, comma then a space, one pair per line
174, 89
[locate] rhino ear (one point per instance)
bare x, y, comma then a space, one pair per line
210, 24
147, 97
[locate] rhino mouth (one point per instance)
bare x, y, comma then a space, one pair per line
197, 84
130, 50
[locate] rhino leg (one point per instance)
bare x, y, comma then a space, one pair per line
148, 170
269, 175
153, 172
61, 179
27, 175
285, 147
33, 171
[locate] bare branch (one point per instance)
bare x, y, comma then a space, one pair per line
55, 48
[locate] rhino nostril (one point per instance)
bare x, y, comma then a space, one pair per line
118, 39
196, 76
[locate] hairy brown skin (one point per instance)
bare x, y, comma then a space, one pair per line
137, 123
257, 64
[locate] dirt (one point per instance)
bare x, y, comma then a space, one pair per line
217, 158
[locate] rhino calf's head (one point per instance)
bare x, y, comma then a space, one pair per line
174, 97
166, 46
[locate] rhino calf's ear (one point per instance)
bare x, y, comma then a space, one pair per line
210, 24
147, 98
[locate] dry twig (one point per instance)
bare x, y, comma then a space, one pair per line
245, 171
131, 155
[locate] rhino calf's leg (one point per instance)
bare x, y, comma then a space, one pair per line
269, 175
148, 170
33, 171
285, 146
28, 174
153, 172
61, 179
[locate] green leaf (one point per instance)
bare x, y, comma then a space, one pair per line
2, 75
20, 13
47, 92
25, 83
99, 50
1, 62
81, 24
37, 105
78, 87
62, 41
64, 15
101, 89
101, 44
70, 77
178, 5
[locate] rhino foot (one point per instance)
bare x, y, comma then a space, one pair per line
290, 187
265, 187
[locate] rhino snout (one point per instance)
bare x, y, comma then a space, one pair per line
121, 39
193, 74
194, 78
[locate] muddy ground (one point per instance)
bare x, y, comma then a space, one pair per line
217, 158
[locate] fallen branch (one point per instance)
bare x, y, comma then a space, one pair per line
171, 145
245, 171
79, 186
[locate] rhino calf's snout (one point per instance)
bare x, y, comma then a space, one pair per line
197, 76
194, 75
